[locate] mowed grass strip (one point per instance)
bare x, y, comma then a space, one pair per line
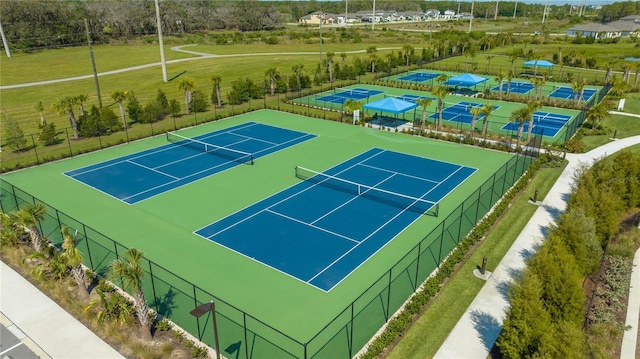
427, 334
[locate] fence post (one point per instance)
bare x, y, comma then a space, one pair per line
415, 285
440, 250
66, 131
195, 305
388, 298
35, 149
153, 286
351, 333
460, 225
86, 239
246, 343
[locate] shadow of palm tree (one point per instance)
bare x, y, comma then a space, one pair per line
487, 327
166, 303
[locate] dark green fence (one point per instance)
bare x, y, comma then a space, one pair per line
249, 337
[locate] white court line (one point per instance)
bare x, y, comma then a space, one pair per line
310, 225
9, 349
399, 173
273, 144
152, 169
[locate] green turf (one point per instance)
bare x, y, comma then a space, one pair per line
162, 226
624, 126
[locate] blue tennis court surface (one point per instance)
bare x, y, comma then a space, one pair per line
321, 229
142, 175
413, 98
340, 96
419, 76
544, 123
568, 94
459, 112
515, 87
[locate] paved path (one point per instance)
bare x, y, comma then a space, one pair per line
54, 330
629, 340
479, 327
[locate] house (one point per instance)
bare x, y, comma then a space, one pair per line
464, 16
412, 15
626, 26
433, 13
448, 14
315, 18
595, 30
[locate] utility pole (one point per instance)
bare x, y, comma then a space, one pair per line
544, 12
162, 60
4, 42
321, 20
471, 17
373, 17
93, 63
515, 9
495, 17
346, 13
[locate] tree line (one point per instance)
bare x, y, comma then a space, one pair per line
547, 313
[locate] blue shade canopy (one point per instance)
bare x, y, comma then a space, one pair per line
391, 104
465, 80
540, 63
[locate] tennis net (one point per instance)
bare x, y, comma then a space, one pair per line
550, 120
395, 199
229, 153
350, 93
427, 75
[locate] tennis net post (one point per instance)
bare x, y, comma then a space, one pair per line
398, 200
229, 153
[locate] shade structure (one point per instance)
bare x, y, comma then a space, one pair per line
538, 63
390, 104
465, 80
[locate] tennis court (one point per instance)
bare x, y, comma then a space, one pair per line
567, 93
515, 87
340, 96
323, 228
413, 98
459, 112
142, 175
419, 76
544, 123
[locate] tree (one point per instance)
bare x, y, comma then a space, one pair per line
352, 105
199, 101
134, 109
578, 234
597, 113
40, 109
29, 219
424, 103
578, 90
298, 72
330, 56
475, 112
407, 50
81, 99
129, 270
343, 55
271, 74
486, 111
500, 80
119, 97
48, 134
174, 108
371, 51
440, 92
489, 58
626, 166
532, 107
512, 58
13, 133
216, 95
520, 116
526, 331
469, 51
163, 102
187, 85
509, 78
73, 258
64, 106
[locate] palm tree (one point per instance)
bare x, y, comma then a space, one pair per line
597, 113
298, 72
352, 105
73, 258
486, 111
512, 58
343, 55
475, 112
40, 109
520, 116
407, 50
489, 58
271, 75
442, 78
560, 62
81, 100
636, 67
468, 51
440, 92
607, 77
120, 97
578, 90
509, 78
424, 102
29, 218
129, 270
500, 80
532, 107
187, 85
538, 83
216, 80
329, 56
64, 106
372, 57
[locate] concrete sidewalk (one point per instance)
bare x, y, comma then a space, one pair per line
42, 320
479, 327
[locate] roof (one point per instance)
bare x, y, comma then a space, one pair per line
466, 80
594, 27
625, 25
391, 104
631, 17
539, 63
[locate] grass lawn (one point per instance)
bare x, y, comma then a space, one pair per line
427, 334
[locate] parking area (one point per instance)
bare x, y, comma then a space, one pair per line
15, 344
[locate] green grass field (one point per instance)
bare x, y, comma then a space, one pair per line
162, 226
